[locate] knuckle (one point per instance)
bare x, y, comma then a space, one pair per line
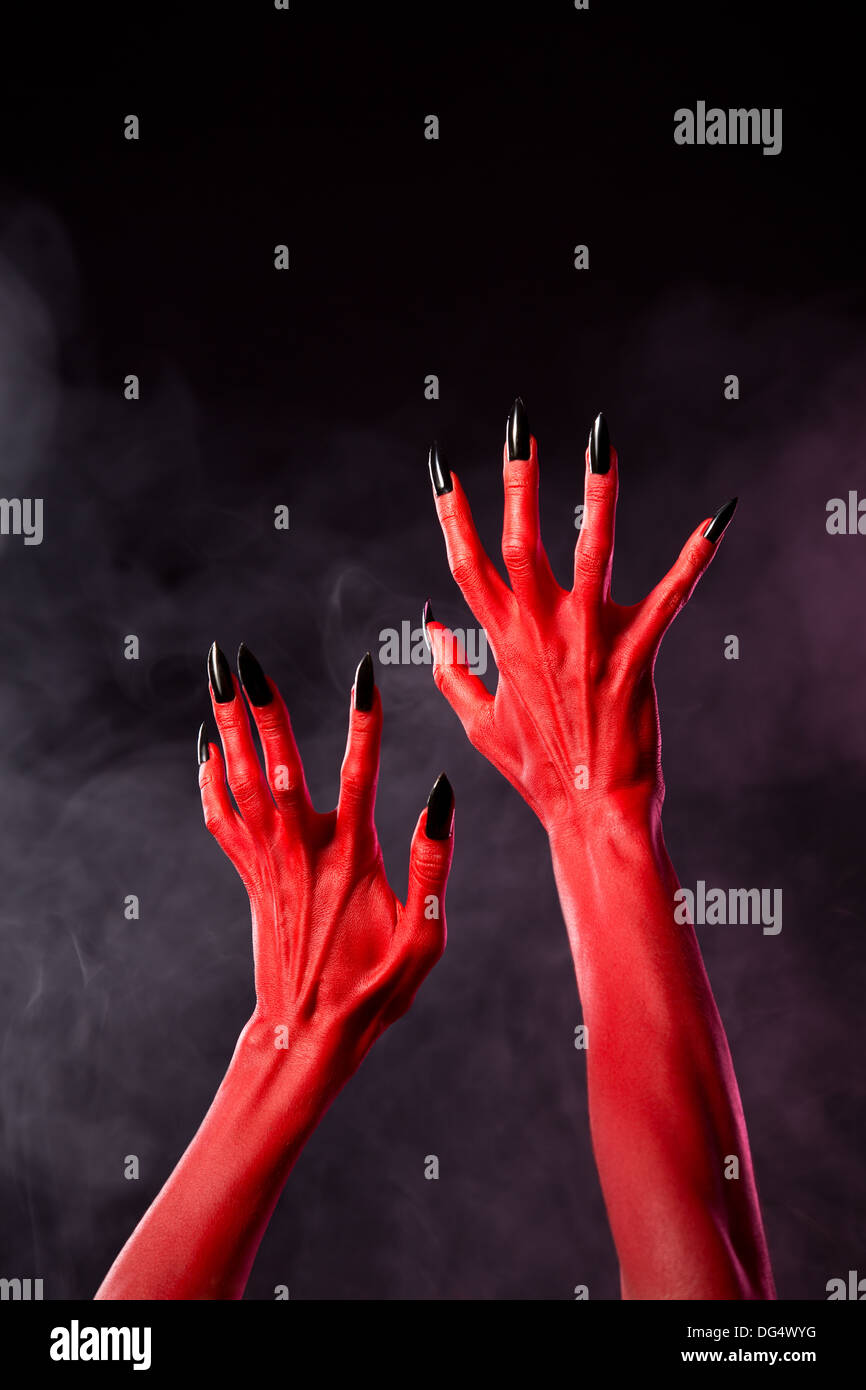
694, 557
672, 600
520, 478
449, 508
517, 554
427, 863
231, 718
464, 568
288, 799
247, 792
597, 487
591, 560
270, 720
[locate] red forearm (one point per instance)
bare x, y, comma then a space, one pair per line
665, 1111
199, 1238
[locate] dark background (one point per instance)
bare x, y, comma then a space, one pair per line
306, 388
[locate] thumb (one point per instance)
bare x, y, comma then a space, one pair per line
429, 863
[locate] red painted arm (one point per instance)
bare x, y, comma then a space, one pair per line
574, 727
337, 959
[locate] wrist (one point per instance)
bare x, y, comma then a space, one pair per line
627, 817
291, 1072
614, 879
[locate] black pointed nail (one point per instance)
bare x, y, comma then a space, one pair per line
599, 446
427, 617
365, 685
517, 436
440, 810
220, 676
253, 678
202, 751
440, 473
720, 521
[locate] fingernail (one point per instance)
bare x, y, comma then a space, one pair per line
427, 617
253, 678
365, 685
440, 810
440, 473
599, 446
220, 676
517, 434
720, 520
202, 751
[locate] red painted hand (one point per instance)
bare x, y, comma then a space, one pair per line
335, 951
337, 959
574, 720
574, 726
